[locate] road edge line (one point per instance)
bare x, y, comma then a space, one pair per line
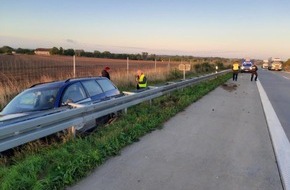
279, 139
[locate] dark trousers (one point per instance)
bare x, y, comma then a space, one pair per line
235, 76
252, 76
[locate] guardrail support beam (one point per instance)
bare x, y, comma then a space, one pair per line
72, 131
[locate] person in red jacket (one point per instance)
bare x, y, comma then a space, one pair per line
105, 73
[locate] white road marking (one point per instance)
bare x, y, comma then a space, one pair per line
286, 77
279, 139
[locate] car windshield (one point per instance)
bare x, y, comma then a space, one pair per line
247, 64
32, 100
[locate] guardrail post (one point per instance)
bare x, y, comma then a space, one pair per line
72, 131
125, 110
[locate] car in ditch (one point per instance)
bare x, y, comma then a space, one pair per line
43, 97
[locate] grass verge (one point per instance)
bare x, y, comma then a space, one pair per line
64, 164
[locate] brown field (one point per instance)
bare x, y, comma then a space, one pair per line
22, 67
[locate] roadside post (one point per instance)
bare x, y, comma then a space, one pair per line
184, 67
128, 68
74, 66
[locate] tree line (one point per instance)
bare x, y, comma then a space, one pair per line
109, 55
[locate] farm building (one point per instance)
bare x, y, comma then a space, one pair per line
42, 51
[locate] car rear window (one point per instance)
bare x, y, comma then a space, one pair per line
92, 87
106, 85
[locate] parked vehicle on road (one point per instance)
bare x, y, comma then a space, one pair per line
265, 64
46, 96
275, 64
246, 66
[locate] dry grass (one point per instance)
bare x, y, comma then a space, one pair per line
12, 87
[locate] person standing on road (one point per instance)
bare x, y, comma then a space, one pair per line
235, 68
254, 72
105, 73
141, 80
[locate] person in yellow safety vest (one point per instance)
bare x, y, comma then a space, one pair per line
235, 68
141, 80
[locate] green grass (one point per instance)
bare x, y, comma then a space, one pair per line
63, 164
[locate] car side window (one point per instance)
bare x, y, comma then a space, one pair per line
74, 93
92, 87
106, 85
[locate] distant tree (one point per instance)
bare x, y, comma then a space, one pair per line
144, 55
78, 52
60, 51
54, 51
6, 49
87, 54
24, 51
97, 53
151, 57
121, 56
107, 54
69, 52
138, 56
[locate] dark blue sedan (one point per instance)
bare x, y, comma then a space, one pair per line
47, 96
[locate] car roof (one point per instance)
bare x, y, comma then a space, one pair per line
63, 82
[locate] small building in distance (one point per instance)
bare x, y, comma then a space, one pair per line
42, 51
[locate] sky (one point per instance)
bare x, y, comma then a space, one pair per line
256, 29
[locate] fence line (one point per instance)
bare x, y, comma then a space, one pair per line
18, 71
30, 67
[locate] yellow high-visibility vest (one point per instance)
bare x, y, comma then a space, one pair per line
235, 66
142, 81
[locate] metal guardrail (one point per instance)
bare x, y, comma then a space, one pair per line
20, 131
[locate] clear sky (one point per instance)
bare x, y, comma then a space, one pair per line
224, 28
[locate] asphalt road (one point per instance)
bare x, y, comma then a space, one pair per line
277, 87
221, 142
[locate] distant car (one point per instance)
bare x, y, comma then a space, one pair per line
246, 67
265, 66
46, 96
